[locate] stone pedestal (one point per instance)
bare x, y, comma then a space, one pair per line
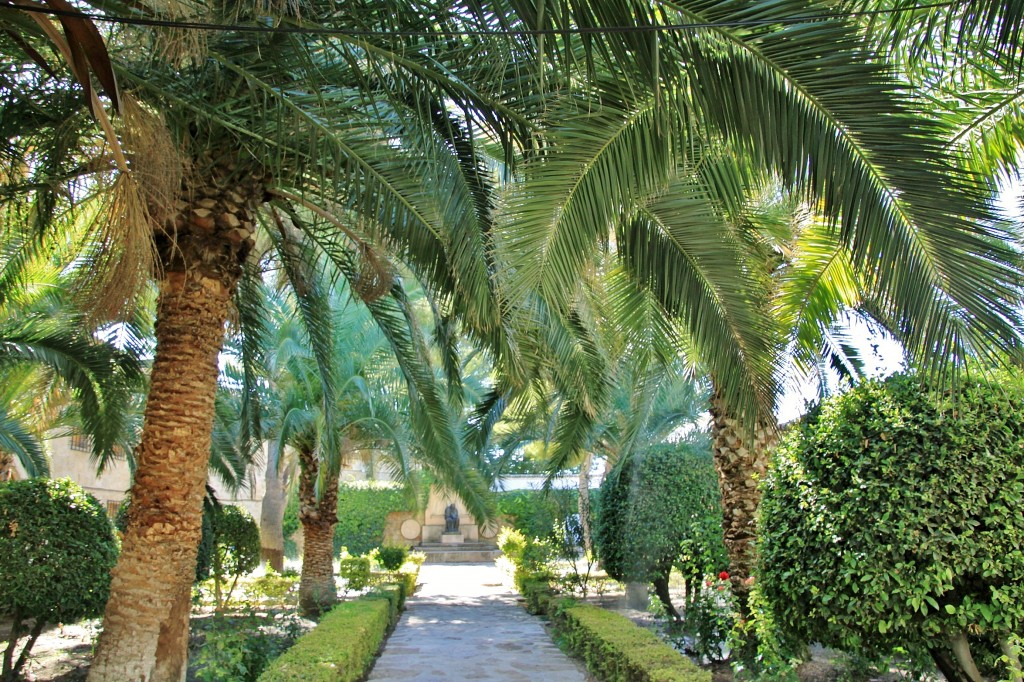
455, 538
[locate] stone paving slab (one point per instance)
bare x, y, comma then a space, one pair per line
463, 624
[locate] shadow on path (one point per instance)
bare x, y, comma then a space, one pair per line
463, 624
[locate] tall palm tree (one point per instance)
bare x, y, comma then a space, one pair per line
655, 160
355, 132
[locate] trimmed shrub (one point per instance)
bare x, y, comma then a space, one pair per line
661, 508
356, 570
615, 649
236, 548
342, 646
391, 557
891, 518
57, 548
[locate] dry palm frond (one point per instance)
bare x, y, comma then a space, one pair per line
122, 257
179, 45
157, 164
376, 275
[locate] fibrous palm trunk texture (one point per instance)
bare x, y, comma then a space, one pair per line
318, 515
741, 457
201, 249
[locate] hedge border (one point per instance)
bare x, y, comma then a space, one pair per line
344, 644
615, 649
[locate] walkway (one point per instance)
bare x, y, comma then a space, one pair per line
463, 624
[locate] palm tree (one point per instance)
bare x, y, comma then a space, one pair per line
656, 158
350, 139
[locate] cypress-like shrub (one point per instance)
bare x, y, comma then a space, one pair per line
660, 508
57, 548
892, 517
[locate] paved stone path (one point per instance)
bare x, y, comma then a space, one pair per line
463, 624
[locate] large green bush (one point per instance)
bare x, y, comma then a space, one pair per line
658, 509
535, 513
57, 548
363, 508
892, 517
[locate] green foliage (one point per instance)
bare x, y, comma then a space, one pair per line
240, 648
530, 557
658, 509
891, 516
356, 570
363, 508
57, 548
272, 586
615, 649
342, 646
392, 557
710, 617
535, 512
236, 547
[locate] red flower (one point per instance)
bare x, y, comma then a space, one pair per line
723, 576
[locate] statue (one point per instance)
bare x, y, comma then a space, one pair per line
451, 519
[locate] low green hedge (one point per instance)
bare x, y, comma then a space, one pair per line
538, 595
615, 649
343, 645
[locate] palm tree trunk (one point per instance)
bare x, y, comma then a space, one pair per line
740, 460
145, 628
317, 590
201, 250
272, 511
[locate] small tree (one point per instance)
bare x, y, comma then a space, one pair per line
653, 507
891, 517
57, 547
236, 549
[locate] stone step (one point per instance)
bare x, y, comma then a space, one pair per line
464, 553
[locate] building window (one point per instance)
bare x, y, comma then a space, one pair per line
81, 443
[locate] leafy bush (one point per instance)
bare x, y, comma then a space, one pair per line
530, 557
236, 549
654, 507
241, 648
342, 646
891, 516
272, 586
356, 570
535, 513
57, 548
615, 649
391, 557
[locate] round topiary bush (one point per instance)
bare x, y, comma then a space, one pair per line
57, 548
660, 508
892, 517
